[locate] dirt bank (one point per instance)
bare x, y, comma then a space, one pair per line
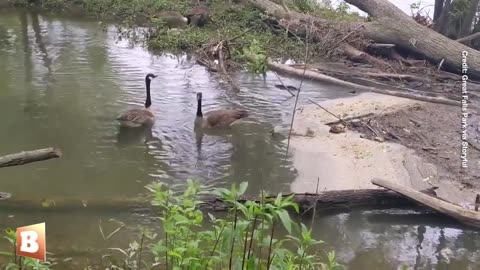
421, 147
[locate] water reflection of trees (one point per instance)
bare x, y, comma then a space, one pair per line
364, 243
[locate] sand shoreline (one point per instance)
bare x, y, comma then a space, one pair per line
347, 161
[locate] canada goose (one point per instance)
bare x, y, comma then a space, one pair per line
139, 117
198, 15
173, 19
217, 118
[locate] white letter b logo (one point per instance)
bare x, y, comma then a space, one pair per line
29, 241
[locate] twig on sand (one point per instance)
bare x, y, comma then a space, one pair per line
300, 87
320, 106
284, 86
348, 119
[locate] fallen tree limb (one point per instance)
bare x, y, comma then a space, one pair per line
356, 55
29, 157
407, 77
335, 201
465, 216
468, 38
324, 78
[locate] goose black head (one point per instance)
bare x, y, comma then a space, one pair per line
150, 76
199, 96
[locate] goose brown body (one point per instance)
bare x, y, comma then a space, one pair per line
217, 118
173, 19
141, 116
136, 118
198, 15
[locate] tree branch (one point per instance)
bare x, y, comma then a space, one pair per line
29, 157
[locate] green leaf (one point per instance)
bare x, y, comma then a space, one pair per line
242, 188
285, 218
173, 253
278, 200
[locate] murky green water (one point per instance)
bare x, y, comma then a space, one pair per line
63, 81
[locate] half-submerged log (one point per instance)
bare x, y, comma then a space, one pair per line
335, 201
26, 157
465, 216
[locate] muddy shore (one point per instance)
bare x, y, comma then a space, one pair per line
420, 147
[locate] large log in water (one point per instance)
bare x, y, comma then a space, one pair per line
327, 201
465, 216
29, 157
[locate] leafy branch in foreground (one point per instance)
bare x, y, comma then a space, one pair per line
251, 235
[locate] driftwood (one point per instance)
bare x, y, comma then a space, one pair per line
309, 74
361, 56
465, 216
29, 157
362, 72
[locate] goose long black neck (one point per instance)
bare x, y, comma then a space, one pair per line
148, 101
199, 108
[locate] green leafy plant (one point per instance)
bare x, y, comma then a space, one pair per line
244, 238
256, 57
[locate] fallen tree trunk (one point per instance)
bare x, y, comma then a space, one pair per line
394, 26
321, 77
326, 202
465, 216
29, 157
391, 25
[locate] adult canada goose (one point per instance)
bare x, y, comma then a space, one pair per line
173, 19
198, 15
139, 117
217, 118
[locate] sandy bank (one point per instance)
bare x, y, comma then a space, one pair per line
346, 161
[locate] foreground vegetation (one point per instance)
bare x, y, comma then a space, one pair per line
246, 238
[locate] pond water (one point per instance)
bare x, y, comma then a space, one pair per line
64, 80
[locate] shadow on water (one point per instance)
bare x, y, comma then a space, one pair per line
62, 83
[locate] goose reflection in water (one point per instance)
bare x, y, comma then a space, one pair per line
128, 136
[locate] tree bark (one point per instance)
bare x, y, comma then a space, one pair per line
465, 216
466, 28
29, 157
